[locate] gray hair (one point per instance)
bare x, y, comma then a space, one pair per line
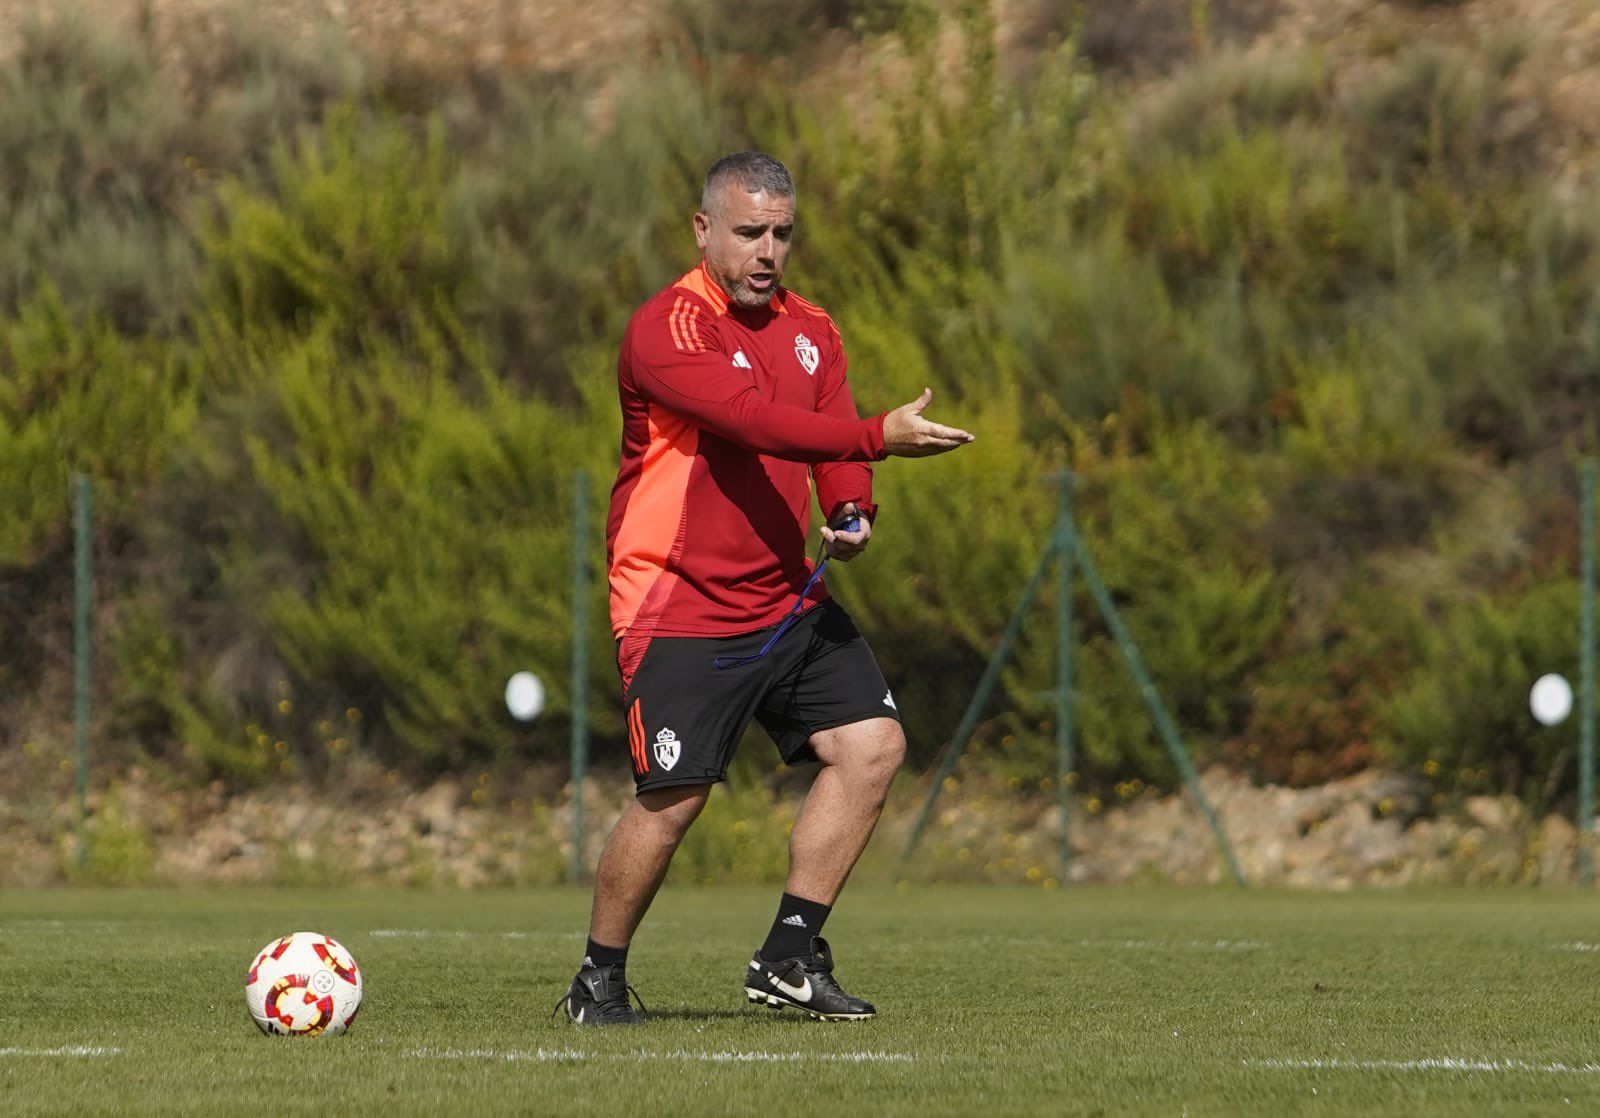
753, 171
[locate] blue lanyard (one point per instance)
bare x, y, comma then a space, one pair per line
721, 662
851, 524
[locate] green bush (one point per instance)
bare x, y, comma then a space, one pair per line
569, 220
1464, 712
1444, 111
117, 850
363, 487
75, 394
109, 154
353, 237
1203, 623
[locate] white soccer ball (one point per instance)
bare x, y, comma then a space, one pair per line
304, 984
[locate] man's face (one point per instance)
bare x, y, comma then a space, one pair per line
745, 240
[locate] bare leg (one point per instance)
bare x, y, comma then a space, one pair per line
842, 808
636, 858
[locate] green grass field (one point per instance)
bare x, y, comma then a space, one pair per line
990, 1001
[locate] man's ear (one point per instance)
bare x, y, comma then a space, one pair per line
702, 228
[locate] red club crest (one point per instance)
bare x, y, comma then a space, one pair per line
808, 354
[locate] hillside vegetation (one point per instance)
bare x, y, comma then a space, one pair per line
333, 330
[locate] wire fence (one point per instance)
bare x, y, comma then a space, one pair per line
1066, 553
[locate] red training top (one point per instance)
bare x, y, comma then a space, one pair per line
728, 414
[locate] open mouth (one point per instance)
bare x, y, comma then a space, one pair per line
760, 281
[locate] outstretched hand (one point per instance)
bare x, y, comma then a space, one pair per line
907, 435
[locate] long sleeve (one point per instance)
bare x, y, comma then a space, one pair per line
840, 482
675, 363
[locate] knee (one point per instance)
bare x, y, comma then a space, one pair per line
891, 752
881, 756
867, 754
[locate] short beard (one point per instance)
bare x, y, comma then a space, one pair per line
750, 299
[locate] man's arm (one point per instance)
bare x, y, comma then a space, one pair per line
841, 483
675, 362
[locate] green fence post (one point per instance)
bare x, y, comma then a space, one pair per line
82, 619
1165, 727
1065, 532
580, 663
986, 685
1586, 732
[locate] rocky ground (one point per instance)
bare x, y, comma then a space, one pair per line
1371, 829
1374, 829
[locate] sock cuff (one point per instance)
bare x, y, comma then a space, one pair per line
811, 914
797, 921
596, 954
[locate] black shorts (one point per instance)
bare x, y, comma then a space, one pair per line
686, 716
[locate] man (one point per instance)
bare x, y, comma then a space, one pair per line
734, 402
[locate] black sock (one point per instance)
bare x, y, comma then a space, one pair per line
599, 955
797, 921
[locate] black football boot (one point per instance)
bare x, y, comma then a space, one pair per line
805, 982
599, 996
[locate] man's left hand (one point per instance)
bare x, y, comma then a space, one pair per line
845, 546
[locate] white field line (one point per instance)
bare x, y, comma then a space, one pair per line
1167, 945
564, 1055
1440, 1063
70, 1050
430, 933
1575, 946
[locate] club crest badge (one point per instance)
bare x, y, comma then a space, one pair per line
808, 354
667, 750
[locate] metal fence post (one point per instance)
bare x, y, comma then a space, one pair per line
82, 647
1064, 654
1586, 732
580, 663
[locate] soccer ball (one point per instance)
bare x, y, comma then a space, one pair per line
302, 985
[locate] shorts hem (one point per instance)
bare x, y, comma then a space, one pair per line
851, 719
678, 782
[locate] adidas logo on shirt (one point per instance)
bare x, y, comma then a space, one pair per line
794, 921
